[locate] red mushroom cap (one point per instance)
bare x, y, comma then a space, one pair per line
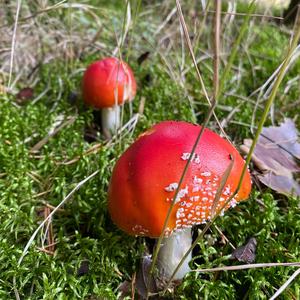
146, 176
108, 79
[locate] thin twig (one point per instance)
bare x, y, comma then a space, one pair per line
223, 236
42, 142
248, 266
245, 14
13, 43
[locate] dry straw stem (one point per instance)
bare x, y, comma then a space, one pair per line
45, 221
286, 284
208, 116
224, 237
246, 14
158, 244
201, 27
217, 27
51, 134
265, 90
47, 9
125, 30
133, 25
224, 178
248, 266
188, 41
214, 216
235, 48
13, 43
271, 98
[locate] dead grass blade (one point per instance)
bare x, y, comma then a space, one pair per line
13, 43
158, 244
189, 44
217, 29
52, 132
248, 266
208, 116
251, 15
293, 45
224, 179
126, 26
202, 26
286, 284
45, 10
45, 221
214, 216
235, 47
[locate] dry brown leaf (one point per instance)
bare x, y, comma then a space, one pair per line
277, 154
24, 95
246, 253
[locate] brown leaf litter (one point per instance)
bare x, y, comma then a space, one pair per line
277, 155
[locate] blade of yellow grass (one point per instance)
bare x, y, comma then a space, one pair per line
208, 116
13, 43
286, 284
248, 266
221, 187
189, 44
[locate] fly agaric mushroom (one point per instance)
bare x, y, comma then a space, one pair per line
145, 179
106, 85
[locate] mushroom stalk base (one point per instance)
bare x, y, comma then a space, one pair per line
110, 120
172, 251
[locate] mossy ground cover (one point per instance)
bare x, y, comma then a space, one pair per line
91, 257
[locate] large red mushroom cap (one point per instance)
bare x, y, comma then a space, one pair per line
108, 82
146, 176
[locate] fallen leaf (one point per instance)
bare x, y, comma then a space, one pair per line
154, 283
84, 268
245, 253
143, 57
143, 280
24, 95
277, 155
124, 289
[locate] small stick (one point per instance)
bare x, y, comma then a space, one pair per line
44, 141
224, 236
50, 238
133, 285
248, 266
45, 251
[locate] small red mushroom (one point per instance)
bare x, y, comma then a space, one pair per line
146, 176
106, 85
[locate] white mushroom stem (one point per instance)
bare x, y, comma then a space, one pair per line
110, 120
172, 251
